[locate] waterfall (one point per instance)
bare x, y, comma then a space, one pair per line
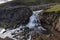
33, 23
34, 19
4, 1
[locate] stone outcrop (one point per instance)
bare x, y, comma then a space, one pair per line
51, 21
6, 38
12, 17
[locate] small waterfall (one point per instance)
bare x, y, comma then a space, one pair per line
4, 1
34, 19
33, 23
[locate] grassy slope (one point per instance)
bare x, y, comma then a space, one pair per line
37, 2
53, 8
28, 2
52, 1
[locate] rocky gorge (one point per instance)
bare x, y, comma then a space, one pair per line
21, 30
50, 20
23, 23
13, 17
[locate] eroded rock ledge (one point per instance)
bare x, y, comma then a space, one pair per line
50, 19
10, 18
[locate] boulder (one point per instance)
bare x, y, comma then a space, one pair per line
13, 17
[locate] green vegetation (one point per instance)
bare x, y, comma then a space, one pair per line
28, 2
52, 1
36, 2
53, 8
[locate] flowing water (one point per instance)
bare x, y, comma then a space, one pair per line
34, 19
4, 1
33, 23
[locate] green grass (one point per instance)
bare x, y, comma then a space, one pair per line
53, 8
27, 2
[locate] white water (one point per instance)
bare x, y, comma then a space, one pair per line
33, 19
4, 1
32, 23
2, 30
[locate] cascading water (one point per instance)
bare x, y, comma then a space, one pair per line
33, 23
34, 19
4, 1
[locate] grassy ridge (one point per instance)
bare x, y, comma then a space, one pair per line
53, 8
38, 1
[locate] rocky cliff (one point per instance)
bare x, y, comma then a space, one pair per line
50, 19
15, 16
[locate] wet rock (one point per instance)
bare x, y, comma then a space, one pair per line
6, 38
58, 25
51, 21
38, 36
55, 36
10, 18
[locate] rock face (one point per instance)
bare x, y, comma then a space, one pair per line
12, 17
6, 39
51, 21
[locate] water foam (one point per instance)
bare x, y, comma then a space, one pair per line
4, 1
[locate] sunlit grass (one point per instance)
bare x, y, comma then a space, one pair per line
53, 8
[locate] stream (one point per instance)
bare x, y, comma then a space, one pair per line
15, 34
4, 1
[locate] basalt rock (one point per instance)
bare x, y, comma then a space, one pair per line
50, 18
6, 38
13, 17
51, 21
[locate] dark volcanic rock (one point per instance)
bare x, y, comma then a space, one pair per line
51, 21
6, 38
12, 17
51, 18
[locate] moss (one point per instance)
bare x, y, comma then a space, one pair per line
27, 2
55, 8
